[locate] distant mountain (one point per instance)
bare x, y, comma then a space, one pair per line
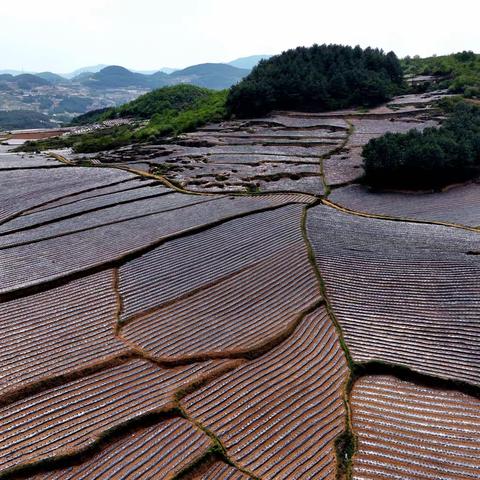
162, 69
91, 69
248, 62
216, 76
19, 119
115, 76
51, 77
13, 72
24, 81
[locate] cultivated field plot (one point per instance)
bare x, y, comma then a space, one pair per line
234, 288
13, 161
221, 471
403, 293
278, 416
57, 332
459, 205
73, 238
73, 417
21, 190
411, 432
159, 451
278, 153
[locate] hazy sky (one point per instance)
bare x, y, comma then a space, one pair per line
62, 35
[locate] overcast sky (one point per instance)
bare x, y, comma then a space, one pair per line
62, 35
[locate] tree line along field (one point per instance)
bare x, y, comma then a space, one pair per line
238, 305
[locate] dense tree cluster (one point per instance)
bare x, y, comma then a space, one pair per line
322, 77
430, 159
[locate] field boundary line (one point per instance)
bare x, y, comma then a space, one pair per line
375, 216
219, 448
126, 257
345, 443
326, 187
250, 353
46, 383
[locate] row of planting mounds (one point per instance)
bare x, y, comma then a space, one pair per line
433, 158
321, 77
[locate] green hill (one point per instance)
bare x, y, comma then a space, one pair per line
459, 72
169, 111
322, 77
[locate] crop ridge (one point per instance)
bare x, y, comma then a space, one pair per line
46, 383
133, 179
126, 257
345, 443
219, 449
375, 216
250, 353
83, 212
402, 372
61, 197
77, 455
114, 222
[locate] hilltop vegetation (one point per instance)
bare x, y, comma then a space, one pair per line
322, 77
459, 72
170, 110
430, 159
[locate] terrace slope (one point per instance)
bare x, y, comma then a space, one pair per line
411, 432
403, 293
123, 300
278, 416
247, 292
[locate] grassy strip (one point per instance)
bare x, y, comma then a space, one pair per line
201, 464
345, 443
217, 452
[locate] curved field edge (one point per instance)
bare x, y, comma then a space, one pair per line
75, 456
120, 260
346, 443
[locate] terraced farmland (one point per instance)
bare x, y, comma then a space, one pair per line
226, 308
279, 415
247, 293
58, 332
459, 205
166, 449
403, 293
71, 418
221, 471
406, 431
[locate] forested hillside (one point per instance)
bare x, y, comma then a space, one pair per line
459, 72
322, 77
